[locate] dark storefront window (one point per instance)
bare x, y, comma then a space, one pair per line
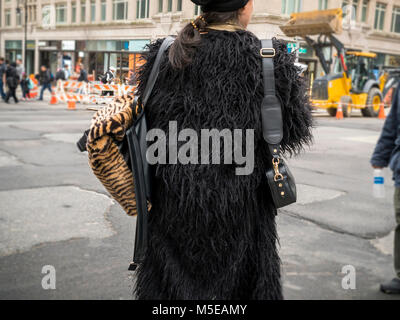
97, 56
13, 50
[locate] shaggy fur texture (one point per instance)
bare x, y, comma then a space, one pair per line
212, 233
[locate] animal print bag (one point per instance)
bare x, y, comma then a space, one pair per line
107, 150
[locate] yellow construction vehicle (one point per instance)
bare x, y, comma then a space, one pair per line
350, 81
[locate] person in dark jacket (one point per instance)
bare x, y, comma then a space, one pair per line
387, 153
12, 81
108, 78
60, 75
212, 233
83, 77
25, 87
45, 79
3, 68
83, 74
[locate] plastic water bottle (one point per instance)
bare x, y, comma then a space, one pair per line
379, 184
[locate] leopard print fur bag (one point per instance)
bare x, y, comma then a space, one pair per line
107, 130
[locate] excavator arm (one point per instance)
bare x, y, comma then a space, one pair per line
325, 41
324, 24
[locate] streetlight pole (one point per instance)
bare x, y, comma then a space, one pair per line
26, 35
25, 28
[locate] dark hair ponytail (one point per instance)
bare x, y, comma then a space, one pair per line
189, 38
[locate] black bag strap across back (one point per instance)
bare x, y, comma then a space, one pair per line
271, 109
156, 69
136, 137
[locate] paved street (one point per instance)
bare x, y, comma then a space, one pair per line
53, 211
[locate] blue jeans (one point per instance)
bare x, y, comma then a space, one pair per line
44, 87
2, 93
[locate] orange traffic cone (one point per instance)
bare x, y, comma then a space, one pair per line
339, 112
53, 99
71, 105
382, 111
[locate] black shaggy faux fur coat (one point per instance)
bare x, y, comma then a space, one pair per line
213, 233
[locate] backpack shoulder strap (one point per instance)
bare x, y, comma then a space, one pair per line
271, 109
156, 69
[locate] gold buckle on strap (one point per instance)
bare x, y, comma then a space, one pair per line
267, 52
278, 176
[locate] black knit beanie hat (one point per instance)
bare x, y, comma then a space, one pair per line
220, 5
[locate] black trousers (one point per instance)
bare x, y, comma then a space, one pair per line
11, 93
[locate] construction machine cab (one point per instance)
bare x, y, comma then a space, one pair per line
361, 65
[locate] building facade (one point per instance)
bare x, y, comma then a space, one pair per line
101, 33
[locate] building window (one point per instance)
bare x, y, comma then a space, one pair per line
142, 9
120, 9
169, 5
350, 8
379, 16
355, 6
364, 10
7, 18
290, 6
103, 10
19, 17
61, 13
179, 5
83, 12
160, 5
197, 10
92, 10
396, 20
322, 4
73, 12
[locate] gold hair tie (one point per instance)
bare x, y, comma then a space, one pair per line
194, 25
202, 19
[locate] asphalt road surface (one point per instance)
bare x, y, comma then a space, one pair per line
53, 212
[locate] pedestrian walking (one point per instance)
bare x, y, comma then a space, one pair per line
67, 72
60, 75
387, 153
20, 68
83, 77
3, 69
108, 78
20, 71
83, 74
45, 79
212, 233
25, 86
12, 81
